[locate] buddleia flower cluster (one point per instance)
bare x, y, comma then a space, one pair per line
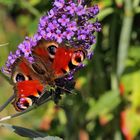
71, 23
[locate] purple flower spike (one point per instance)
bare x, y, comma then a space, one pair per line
67, 22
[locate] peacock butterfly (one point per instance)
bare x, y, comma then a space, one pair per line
39, 63
51, 62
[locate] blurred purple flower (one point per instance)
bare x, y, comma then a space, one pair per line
88, 27
43, 33
81, 35
59, 3
11, 59
53, 25
94, 10
37, 37
80, 10
51, 13
97, 26
30, 59
42, 21
63, 20
18, 53
72, 26
71, 8
58, 36
68, 34
49, 33
33, 42
90, 55
20, 46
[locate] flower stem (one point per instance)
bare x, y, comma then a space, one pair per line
125, 37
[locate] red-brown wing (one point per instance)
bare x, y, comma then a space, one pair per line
29, 88
66, 59
58, 59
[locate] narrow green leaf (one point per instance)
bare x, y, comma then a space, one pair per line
24, 132
105, 12
106, 103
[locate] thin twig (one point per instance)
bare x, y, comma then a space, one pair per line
7, 102
125, 37
5, 44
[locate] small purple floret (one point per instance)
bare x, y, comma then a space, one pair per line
80, 10
59, 3
63, 20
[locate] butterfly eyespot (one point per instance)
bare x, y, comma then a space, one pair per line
23, 103
52, 50
77, 58
19, 77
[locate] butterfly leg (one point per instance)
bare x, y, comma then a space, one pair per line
7, 102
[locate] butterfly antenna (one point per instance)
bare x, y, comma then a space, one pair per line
66, 90
7, 102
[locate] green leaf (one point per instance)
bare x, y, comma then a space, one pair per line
24, 132
105, 104
27, 5
105, 12
34, 2
134, 52
131, 84
9, 3
32, 26
119, 2
62, 117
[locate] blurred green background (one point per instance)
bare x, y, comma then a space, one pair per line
107, 103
